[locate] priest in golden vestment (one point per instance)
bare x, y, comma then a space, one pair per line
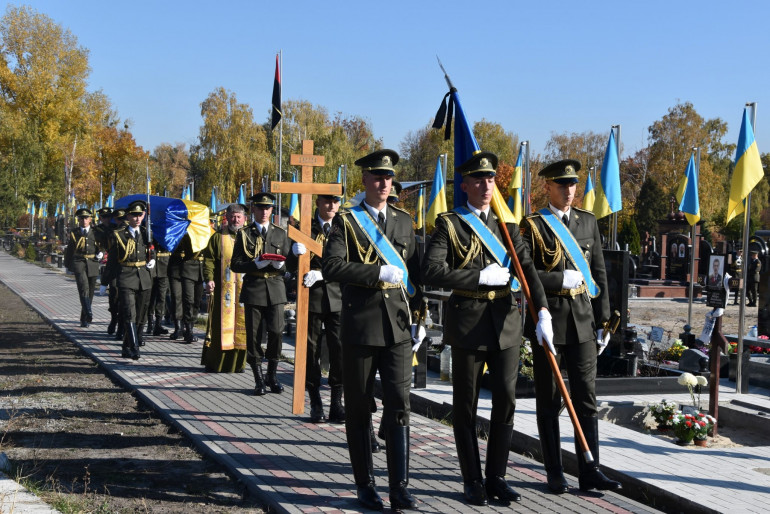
224, 350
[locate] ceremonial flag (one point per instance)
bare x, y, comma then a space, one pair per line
213, 201
465, 147
57, 210
437, 199
339, 175
420, 203
30, 207
294, 204
589, 196
688, 204
514, 190
186, 193
242, 194
277, 113
608, 198
748, 169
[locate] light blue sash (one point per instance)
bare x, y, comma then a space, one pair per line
381, 243
571, 247
489, 240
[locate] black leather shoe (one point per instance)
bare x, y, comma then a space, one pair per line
84, 324
259, 390
557, 484
498, 488
475, 493
595, 479
368, 497
401, 499
316, 406
111, 327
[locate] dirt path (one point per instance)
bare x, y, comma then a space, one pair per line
83, 443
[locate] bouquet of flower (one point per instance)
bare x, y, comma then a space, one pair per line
675, 351
691, 381
525, 359
685, 427
703, 425
663, 413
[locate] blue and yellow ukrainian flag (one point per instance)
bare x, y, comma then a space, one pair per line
608, 196
242, 194
437, 199
294, 203
748, 169
589, 195
688, 201
420, 203
465, 147
514, 190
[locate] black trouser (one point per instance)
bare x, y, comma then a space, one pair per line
114, 298
256, 316
133, 305
157, 306
185, 298
331, 329
467, 372
86, 284
580, 360
752, 289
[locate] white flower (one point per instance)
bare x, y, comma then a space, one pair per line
702, 380
687, 379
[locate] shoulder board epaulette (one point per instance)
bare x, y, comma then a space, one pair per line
400, 209
446, 213
584, 211
277, 227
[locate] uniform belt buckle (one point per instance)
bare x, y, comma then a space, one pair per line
491, 295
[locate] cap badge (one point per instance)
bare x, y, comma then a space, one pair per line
386, 161
569, 169
484, 162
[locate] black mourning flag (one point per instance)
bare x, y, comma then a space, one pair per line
276, 96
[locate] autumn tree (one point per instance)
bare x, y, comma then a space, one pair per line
652, 205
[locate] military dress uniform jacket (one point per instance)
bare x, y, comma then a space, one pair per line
111, 268
372, 316
477, 316
262, 287
128, 259
184, 263
102, 234
80, 252
753, 273
550, 260
325, 295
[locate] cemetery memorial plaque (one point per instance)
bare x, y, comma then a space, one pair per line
716, 295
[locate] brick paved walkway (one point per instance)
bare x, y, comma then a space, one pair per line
290, 464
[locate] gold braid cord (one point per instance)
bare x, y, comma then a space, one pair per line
368, 255
466, 254
321, 240
258, 244
126, 249
555, 255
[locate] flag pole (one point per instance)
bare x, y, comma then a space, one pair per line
693, 277
614, 224
745, 270
280, 135
527, 180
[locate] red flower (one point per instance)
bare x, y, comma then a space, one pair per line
688, 423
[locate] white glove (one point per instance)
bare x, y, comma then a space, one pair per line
726, 282
150, 264
102, 290
494, 275
277, 264
544, 331
298, 249
602, 340
311, 277
261, 264
99, 256
418, 334
572, 279
391, 274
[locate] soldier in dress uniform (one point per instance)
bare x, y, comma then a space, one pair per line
371, 253
753, 278
467, 255
325, 304
565, 245
103, 230
82, 257
264, 252
110, 275
130, 256
395, 191
160, 287
185, 273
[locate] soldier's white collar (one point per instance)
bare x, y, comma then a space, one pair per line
559, 213
476, 211
374, 212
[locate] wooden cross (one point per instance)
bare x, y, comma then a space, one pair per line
306, 189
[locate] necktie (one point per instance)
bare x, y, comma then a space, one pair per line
381, 220
565, 220
327, 227
264, 232
483, 217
